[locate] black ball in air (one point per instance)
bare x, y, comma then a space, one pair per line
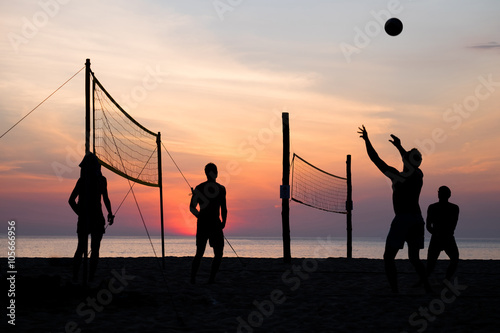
393, 26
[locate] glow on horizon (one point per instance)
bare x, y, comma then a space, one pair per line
221, 86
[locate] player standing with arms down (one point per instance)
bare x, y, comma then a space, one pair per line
210, 196
89, 189
442, 218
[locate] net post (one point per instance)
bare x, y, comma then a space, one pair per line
87, 106
285, 203
93, 116
160, 183
349, 207
87, 149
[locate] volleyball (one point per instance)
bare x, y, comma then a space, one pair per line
393, 26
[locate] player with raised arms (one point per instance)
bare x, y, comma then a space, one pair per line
408, 224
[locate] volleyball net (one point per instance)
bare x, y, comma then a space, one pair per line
313, 187
122, 144
317, 188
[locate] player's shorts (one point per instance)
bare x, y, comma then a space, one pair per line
215, 237
443, 243
407, 228
96, 225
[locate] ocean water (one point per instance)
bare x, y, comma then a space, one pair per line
139, 246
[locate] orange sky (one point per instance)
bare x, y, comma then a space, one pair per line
216, 86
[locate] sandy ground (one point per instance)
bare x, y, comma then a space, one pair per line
252, 295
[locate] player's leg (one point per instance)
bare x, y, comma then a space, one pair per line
451, 250
217, 243
394, 242
415, 241
95, 245
414, 256
432, 254
77, 258
201, 243
390, 267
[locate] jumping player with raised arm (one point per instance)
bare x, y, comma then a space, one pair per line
408, 224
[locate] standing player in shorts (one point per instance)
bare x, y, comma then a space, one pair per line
408, 224
442, 218
210, 196
90, 188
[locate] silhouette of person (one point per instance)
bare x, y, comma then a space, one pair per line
408, 224
89, 189
442, 218
210, 196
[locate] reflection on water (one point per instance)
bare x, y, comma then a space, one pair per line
121, 246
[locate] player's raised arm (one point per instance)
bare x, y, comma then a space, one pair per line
372, 154
397, 143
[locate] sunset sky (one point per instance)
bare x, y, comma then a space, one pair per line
214, 77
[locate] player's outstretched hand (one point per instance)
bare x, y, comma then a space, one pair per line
395, 140
363, 132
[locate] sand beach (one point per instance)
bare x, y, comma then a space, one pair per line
252, 295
